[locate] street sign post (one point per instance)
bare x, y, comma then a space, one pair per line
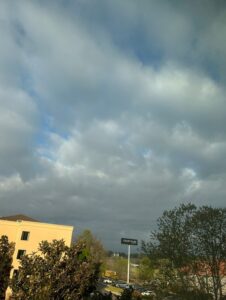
129, 242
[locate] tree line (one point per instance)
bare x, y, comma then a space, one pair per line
185, 256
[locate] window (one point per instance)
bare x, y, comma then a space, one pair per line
20, 253
25, 235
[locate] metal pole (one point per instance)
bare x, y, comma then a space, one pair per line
128, 264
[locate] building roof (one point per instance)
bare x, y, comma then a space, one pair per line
19, 217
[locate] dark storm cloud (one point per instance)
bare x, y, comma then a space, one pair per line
111, 111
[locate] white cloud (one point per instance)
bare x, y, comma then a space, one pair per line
110, 112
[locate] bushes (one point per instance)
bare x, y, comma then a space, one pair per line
57, 272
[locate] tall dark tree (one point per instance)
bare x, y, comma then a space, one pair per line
93, 245
209, 243
172, 238
194, 241
6, 257
171, 243
60, 272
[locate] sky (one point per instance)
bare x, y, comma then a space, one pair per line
111, 111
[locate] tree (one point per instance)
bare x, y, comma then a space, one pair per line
171, 240
56, 272
146, 269
194, 241
6, 258
209, 241
93, 245
170, 243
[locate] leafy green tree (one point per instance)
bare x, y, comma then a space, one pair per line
172, 238
56, 272
146, 269
93, 245
209, 243
193, 240
170, 244
6, 258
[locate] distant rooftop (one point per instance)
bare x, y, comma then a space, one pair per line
18, 218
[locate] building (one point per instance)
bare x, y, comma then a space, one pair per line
27, 233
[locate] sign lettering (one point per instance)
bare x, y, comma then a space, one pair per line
129, 241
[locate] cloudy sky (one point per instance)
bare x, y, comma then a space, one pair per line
111, 111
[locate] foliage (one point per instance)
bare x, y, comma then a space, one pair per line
127, 294
146, 269
171, 240
209, 240
99, 296
56, 272
193, 240
194, 295
119, 265
6, 257
136, 295
93, 245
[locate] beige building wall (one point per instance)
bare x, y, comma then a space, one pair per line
37, 232
28, 234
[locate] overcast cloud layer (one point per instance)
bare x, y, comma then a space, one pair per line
111, 111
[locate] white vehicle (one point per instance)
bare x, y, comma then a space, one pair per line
107, 281
147, 293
